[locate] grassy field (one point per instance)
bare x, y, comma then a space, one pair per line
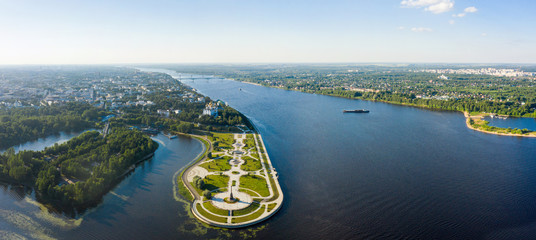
221, 164
253, 194
214, 209
210, 216
260, 144
225, 140
271, 206
255, 183
254, 215
216, 181
251, 208
250, 164
274, 188
183, 191
249, 141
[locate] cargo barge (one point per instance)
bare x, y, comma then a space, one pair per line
356, 111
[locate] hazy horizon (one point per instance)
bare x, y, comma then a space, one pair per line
275, 32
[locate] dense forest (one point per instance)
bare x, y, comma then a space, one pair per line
80, 171
19, 125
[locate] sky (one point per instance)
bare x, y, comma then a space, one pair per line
269, 31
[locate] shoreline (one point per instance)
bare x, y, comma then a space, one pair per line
466, 114
256, 84
468, 118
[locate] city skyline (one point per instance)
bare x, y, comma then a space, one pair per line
412, 31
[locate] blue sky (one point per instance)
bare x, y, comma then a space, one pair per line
243, 31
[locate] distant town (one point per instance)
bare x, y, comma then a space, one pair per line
105, 90
501, 72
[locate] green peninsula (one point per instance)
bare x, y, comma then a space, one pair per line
233, 184
80, 171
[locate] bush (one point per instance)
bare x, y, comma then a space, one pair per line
198, 182
207, 194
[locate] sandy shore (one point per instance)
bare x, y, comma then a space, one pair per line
253, 83
468, 117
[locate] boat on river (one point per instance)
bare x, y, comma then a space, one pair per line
356, 111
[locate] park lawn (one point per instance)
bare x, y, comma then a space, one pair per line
250, 164
255, 183
213, 182
225, 140
209, 215
214, 209
249, 141
253, 194
183, 191
271, 206
250, 217
251, 208
260, 144
221, 164
199, 191
274, 188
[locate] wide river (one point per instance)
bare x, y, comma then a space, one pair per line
394, 173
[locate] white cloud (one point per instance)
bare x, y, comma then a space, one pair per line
434, 6
401, 28
421, 29
451, 22
465, 11
484, 34
470, 10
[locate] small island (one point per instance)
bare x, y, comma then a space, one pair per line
234, 184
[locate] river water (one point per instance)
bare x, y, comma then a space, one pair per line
513, 122
41, 143
142, 206
394, 173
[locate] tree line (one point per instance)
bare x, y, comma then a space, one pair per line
80, 171
19, 125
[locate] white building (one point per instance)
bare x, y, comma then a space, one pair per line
164, 113
211, 109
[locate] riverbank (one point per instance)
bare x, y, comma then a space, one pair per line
475, 122
183, 187
256, 84
480, 125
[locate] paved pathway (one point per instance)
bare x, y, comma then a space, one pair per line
234, 174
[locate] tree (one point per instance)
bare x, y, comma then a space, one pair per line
90, 114
207, 194
185, 127
198, 182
